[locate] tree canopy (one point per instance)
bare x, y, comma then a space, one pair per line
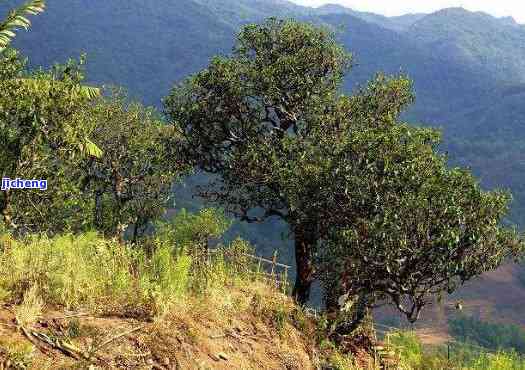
131, 183
41, 120
365, 193
402, 226
245, 114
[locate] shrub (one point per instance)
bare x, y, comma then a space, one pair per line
163, 278
187, 230
408, 347
463, 356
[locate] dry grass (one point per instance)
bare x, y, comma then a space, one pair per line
30, 310
199, 331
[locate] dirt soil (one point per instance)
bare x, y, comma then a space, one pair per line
196, 338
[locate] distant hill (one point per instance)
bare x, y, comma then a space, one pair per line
493, 45
399, 23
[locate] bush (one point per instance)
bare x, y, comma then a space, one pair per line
408, 347
187, 230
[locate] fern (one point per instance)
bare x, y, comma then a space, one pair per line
16, 19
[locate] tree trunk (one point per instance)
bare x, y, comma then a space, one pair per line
304, 245
97, 214
360, 312
5, 211
135, 232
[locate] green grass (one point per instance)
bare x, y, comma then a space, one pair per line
494, 336
88, 271
463, 356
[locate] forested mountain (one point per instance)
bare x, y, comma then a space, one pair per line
399, 23
483, 42
468, 68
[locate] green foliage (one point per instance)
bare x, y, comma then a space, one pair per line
489, 335
17, 19
247, 116
466, 84
412, 355
498, 361
392, 221
18, 353
409, 348
41, 127
130, 184
187, 229
402, 225
67, 270
165, 279
89, 271
339, 361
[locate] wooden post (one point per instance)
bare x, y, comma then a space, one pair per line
285, 281
259, 268
274, 261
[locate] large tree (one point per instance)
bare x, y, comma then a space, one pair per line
402, 227
247, 114
369, 194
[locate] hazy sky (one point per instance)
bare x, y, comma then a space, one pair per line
515, 8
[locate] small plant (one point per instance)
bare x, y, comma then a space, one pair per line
339, 361
408, 347
299, 318
74, 329
164, 278
280, 316
16, 354
28, 312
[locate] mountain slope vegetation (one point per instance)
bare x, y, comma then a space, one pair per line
468, 86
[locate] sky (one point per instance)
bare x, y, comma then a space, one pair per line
499, 8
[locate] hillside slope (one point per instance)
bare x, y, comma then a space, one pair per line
137, 44
195, 335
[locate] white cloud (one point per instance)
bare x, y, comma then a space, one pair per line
500, 8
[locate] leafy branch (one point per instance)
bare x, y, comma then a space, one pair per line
16, 19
